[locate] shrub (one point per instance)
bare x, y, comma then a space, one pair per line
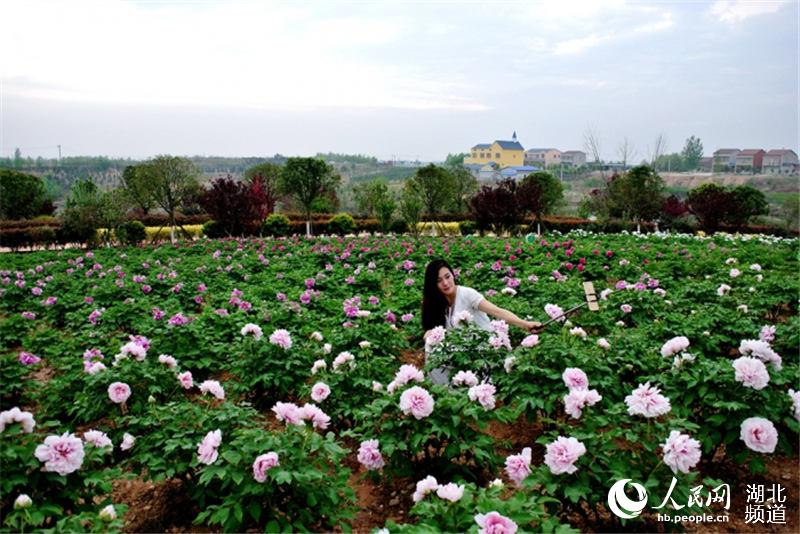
398, 227
213, 230
131, 233
467, 227
275, 225
341, 224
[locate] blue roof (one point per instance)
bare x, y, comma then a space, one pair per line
508, 171
510, 145
473, 165
525, 168
482, 145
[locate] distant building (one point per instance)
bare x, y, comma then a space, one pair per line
725, 159
544, 157
705, 164
780, 161
750, 160
491, 172
573, 158
502, 153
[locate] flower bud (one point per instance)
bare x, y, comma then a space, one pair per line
108, 513
23, 501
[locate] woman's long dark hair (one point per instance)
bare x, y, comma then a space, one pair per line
434, 304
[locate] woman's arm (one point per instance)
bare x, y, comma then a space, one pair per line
509, 317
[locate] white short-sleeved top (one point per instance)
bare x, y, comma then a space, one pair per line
467, 299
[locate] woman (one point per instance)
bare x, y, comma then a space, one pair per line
443, 299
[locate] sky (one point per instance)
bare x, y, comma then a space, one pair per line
395, 80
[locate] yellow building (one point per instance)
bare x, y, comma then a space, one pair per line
503, 153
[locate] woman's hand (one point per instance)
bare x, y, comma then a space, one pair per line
533, 326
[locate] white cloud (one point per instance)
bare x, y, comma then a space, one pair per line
735, 11
575, 46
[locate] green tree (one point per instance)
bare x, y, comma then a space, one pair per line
692, 152
455, 161
374, 199
22, 195
465, 185
306, 180
637, 195
175, 180
435, 188
411, 208
113, 205
749, 202
139, 185
539, 193
83, 212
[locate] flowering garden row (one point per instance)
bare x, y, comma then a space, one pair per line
257, 371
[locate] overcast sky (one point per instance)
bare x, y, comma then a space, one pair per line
393, 79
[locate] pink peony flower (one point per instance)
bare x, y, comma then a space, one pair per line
518, 466
575, 378
425, 486
119, 392
435, 336
465, 378
406, 374
530, 341
281, 338
450, 492
264, 463
751, 372
555, 312
603, 343
168, 360
761, 350
186, 380
15, 415
767, 333
318, 418
626, 308
794, 396
674, 346
289, 413
416, 401
484, 394
214, 388
562, 454
320, 391
369, 455
27, 358
252, 329
406, 317
647, 401
759, 434
681, 452
494, 523
207, 449
127, 442
578, 399
62, 454
319, 364
97, 439
343, 358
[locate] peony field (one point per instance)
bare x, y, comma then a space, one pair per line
275, 385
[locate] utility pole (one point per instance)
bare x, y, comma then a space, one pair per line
59, 154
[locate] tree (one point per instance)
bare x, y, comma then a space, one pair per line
710, 203
174, 180
455, 161
497, 206
374, 199
539, 193
139, 186
113, 205
637, 195
435, 188
749, 202
465, 185
232, 206
626, 152
591, 142
692, 152
659, 149
82, 215
673, 210
306, 180
411, 208
264, 179
23, 195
